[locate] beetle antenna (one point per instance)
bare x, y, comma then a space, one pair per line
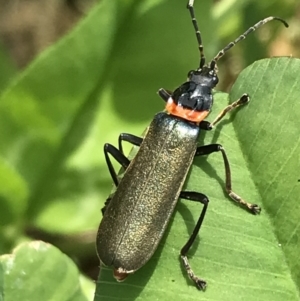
190, 7
243, 36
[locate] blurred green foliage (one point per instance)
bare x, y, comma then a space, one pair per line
99, 81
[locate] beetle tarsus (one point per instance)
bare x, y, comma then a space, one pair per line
203, 199
200, 283
244, 99
255, 209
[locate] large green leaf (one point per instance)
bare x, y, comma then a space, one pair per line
268, 133
240, 255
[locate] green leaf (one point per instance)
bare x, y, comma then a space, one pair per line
39, 271
40, 109
45, 115
268, 132
13, 193
55, 118
238, 254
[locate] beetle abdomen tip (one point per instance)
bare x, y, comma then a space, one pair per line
121, 274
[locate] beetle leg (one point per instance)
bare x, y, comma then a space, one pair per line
118, 156
164, 94
205, 125
211, 148
135, 140
197, 197
244, 99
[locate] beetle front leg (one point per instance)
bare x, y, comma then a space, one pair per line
197, 197
211, 148
165, 94
205, 125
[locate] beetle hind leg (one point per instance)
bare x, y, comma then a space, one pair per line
197, 197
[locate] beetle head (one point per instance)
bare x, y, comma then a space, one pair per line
193, 100
206, 76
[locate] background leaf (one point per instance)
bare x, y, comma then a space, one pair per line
25, 272
45, 116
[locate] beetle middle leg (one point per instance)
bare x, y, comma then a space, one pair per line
119, 156
211, 148
197, 197
135, 140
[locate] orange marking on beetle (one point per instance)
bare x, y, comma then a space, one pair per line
187, 114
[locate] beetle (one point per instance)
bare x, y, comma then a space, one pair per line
137, 213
